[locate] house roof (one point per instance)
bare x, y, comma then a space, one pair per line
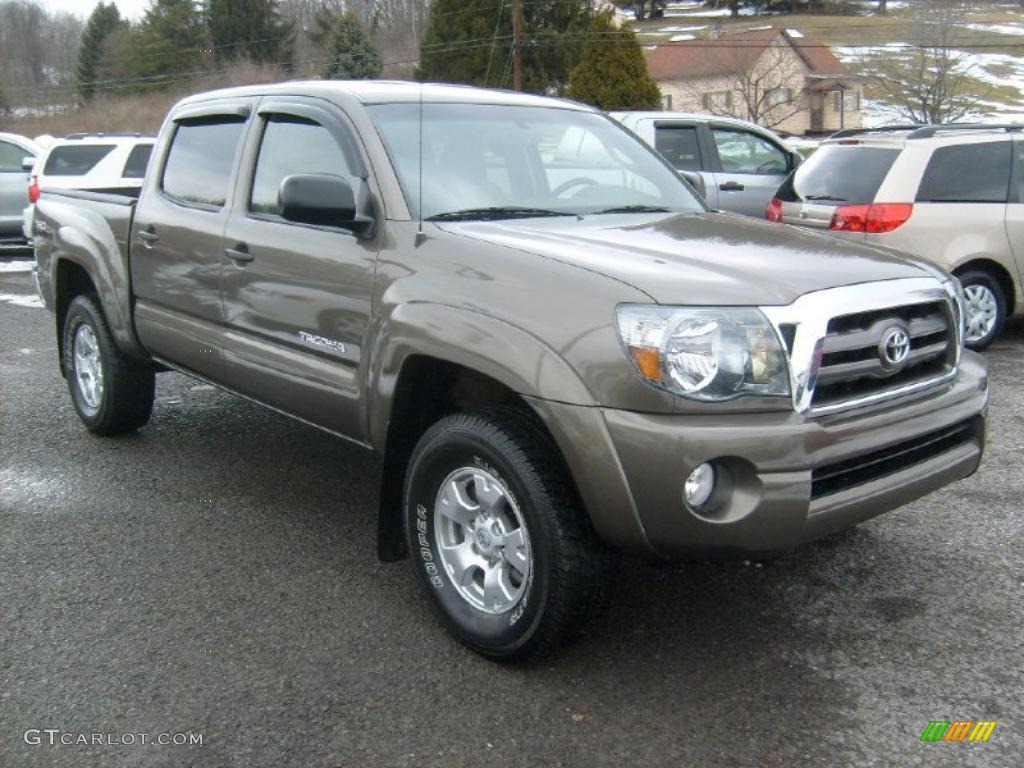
735, 54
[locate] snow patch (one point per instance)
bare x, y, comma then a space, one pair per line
794, 33
1002, 29
21, 300
677, 38
22, 265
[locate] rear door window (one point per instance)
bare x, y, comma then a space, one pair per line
138, 159
968, 173
201, 160
840, 174
678, 145
75, 159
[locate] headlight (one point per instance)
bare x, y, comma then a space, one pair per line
705, 353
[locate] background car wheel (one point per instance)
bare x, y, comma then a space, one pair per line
111, 393
498, 537
986, 307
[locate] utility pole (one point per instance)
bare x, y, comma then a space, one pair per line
517, 45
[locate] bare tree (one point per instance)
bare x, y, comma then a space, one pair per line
930, 79
767, 91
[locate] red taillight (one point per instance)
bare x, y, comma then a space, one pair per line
33, 190
873, 218
773, 211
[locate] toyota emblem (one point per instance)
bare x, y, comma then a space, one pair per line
894, 347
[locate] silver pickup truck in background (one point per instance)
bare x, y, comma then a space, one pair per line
556, 348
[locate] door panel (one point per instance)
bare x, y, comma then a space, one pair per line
297, 305
177, 242
750, 169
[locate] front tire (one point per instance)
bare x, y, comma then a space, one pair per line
498, 537
112, 394
986, 308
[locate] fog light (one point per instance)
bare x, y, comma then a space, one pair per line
699, 485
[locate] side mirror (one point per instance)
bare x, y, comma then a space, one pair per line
28, 163
697, 182
321, 199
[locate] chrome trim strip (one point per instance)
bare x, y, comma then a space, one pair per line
810, 315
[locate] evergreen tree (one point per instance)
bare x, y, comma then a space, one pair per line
350, 54
612, 73
171, 40
251, 29
471, 42
103, 20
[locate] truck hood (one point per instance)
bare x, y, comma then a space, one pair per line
699, 258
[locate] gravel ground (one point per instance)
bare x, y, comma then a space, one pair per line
215, 574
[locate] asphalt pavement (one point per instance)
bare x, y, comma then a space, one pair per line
215, 575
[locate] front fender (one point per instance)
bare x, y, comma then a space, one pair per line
481, 343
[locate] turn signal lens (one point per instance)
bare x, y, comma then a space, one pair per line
773, 211
33, 190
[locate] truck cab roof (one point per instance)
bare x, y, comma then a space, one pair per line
390, 91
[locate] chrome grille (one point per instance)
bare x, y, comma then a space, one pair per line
854, 363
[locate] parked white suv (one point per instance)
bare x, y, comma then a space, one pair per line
950, 194
92, 162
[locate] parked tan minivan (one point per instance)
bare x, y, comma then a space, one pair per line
951, 194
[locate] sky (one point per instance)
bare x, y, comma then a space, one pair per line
129, 8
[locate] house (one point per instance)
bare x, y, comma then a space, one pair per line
775, 77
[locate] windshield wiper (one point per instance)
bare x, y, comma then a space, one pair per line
635, 209
495, 212
827, 197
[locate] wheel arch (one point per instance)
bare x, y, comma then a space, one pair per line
432, 360
999, 272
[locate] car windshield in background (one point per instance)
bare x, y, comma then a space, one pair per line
75, 159
842, 174
495, 161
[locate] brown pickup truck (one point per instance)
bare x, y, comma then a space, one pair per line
557, 349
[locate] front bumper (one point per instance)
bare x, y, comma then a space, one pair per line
770, 497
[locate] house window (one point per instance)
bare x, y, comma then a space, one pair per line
666, 102
778, 96
846, 101
717, 101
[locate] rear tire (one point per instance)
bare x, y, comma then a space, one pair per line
112, 394
498, 537
986, 307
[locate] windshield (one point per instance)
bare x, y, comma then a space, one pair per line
493, 161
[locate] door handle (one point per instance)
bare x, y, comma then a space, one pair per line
239, 254
731, 186
148, 237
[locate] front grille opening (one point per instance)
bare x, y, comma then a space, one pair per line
833, 478
841, 391
851, 367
